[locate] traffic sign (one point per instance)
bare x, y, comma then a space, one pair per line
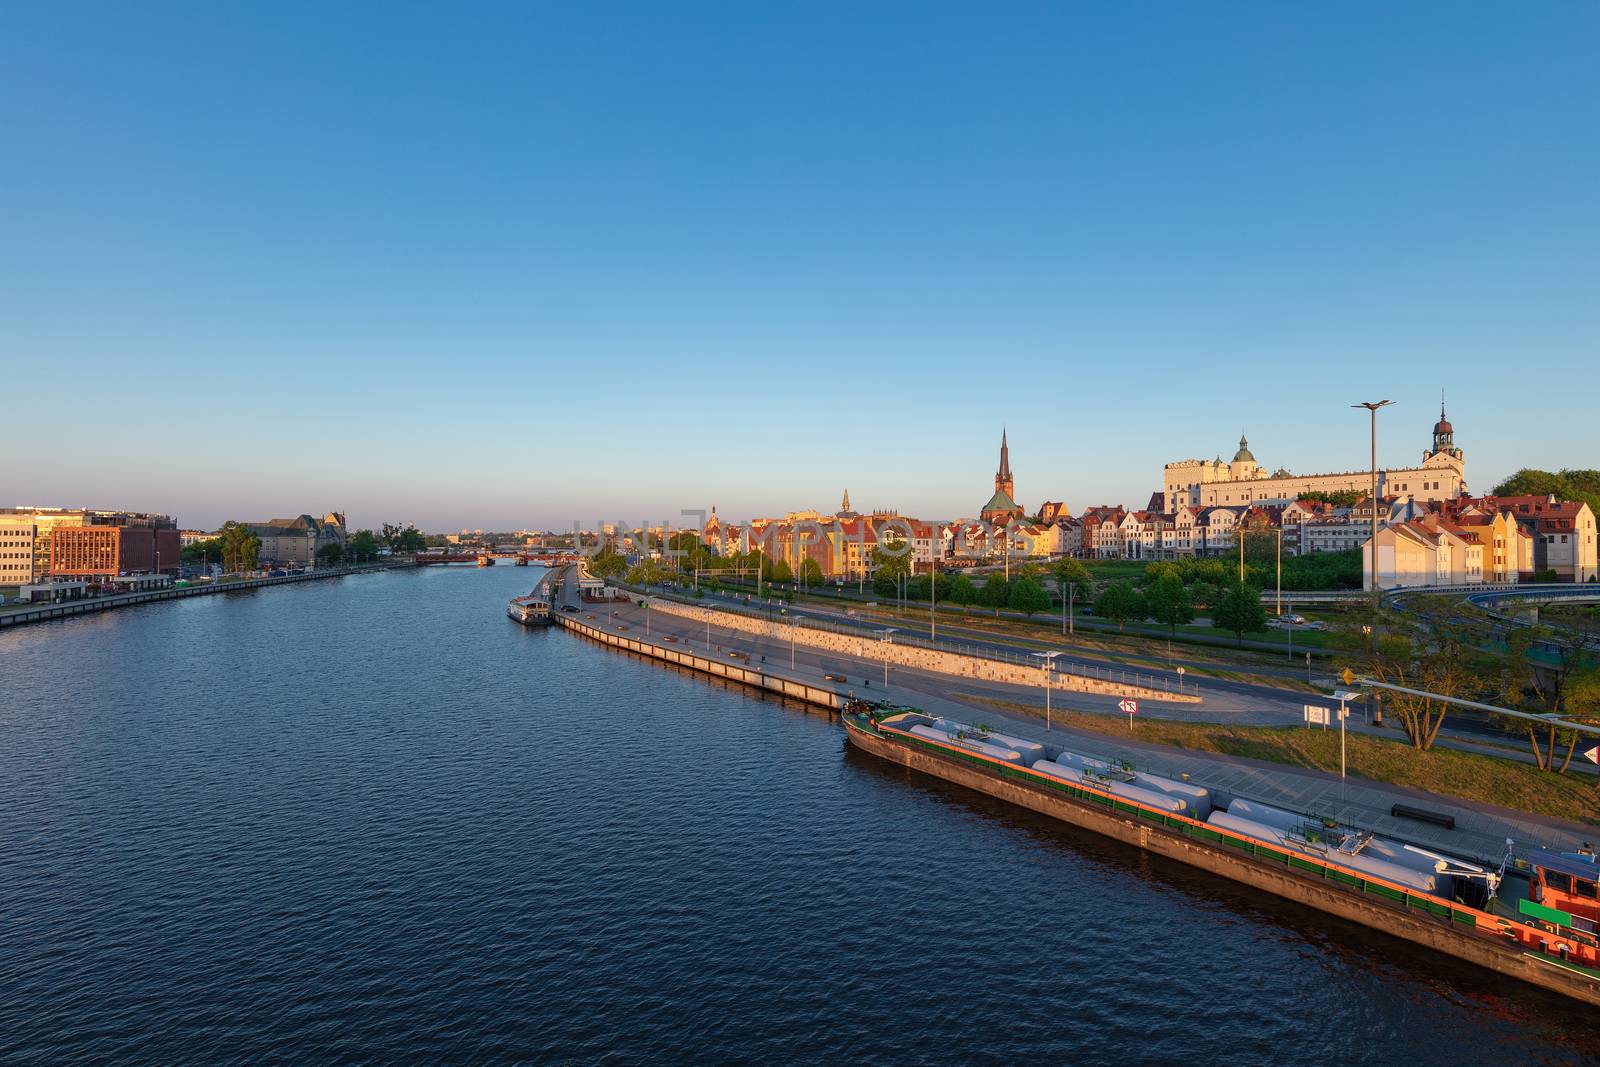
1129, 706
1593, 755
1349, 676
1315, 715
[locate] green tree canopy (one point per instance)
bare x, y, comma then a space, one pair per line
1028, 596
811, 572
996, 592
361, 546
892, 559
1121, 603
209, 550
1239, 610
1168, 602
607, 563
1581, 485
963, 590
240, 548
1154, 572
330, 554
1069, 571
782, 572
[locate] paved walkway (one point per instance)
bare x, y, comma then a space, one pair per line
1480, 832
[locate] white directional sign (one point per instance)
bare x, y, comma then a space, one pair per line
1316, 716
1129, 706
1593, 755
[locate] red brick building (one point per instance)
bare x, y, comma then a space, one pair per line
93, 552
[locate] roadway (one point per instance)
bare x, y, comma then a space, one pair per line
1480, 831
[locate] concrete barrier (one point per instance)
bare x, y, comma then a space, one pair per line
772, 683
926, 659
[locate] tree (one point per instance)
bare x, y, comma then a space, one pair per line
963, 590
410, 540
361, 546
202, 551
811, 572
996, 593
1154, 572
1028, 596
782, 572
646, 572
1121, 602
1581, 702
892, 559
1071, 572
330, 554
1428, 650
607, 563
1581, 485
1168, 602
240, 548
1239, 609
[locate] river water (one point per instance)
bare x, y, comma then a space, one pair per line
372, 818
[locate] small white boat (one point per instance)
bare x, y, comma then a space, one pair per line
530, 610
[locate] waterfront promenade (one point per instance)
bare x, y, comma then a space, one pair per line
1480, 831
67, 609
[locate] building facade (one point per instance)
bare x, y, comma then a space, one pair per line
19, 563
294, 542
1209, 483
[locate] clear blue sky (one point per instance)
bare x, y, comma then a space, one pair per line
527, 263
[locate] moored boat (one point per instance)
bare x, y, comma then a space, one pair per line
530, 610
1532, 918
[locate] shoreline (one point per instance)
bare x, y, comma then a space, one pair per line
87, 606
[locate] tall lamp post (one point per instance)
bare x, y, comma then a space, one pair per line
1049, 664
1372, 408
883, 635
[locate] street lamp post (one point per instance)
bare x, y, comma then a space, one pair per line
1048, 662
1372, 408
883, 635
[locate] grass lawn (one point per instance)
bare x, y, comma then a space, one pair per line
1447, 772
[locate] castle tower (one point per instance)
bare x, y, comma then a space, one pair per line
1443, 433
1244, 466
1444, 437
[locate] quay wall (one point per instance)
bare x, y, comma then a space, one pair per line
68, 608
733, 672
926, 659
1500, 955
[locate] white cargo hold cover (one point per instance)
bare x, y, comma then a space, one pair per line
1198, 798
1256, 811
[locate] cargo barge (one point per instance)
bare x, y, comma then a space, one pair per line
1532, 918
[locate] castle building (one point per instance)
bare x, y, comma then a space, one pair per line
1242, 482
1002, 506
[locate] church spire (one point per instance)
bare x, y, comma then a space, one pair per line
844, 508
1002, 477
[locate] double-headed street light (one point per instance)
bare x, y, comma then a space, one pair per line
1372, 408
1049, 664
883, 635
